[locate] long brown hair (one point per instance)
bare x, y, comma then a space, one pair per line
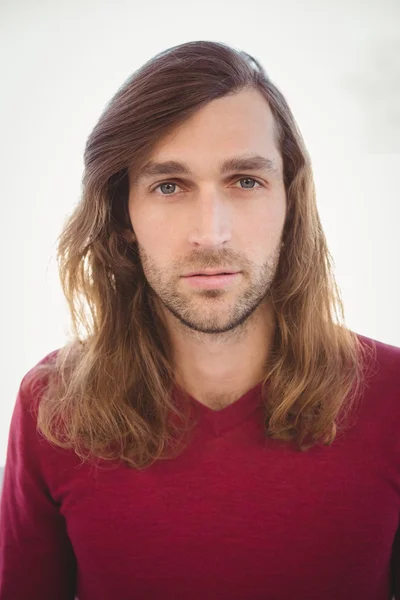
108, 392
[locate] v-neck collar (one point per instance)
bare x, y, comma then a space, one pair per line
219, 421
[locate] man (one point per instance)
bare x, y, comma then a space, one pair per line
198, 247
221, 327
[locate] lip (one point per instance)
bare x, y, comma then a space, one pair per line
212, 272
211, 281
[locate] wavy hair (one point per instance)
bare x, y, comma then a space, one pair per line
108, 392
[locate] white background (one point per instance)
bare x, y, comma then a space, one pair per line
337, 63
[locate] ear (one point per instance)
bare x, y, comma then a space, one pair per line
129, 235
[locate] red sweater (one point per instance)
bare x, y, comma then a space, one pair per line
231, 518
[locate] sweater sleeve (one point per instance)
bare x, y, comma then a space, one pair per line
36, 556
395, 566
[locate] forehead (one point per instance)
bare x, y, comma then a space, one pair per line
244, 116
237, 125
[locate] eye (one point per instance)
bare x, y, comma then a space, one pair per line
165, 186
251, 180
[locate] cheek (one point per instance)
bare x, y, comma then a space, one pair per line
156, 242
150, 230
266, 228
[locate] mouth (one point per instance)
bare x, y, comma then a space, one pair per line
210, 273
209, 281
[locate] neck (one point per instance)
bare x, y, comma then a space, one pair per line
217, 370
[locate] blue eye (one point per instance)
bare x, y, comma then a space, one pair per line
166, 185
249, 179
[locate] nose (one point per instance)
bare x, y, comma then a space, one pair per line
210, 220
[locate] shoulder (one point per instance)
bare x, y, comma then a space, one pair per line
385, 358
35, 379
382, 386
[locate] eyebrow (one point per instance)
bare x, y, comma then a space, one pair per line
246, 162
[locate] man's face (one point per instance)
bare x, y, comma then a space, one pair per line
209, 219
